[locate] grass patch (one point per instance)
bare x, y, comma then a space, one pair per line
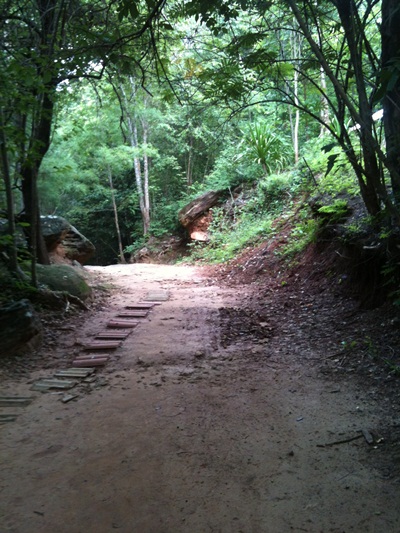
227, 239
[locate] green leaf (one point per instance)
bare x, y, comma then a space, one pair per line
387, 82
331, 163
133, 10
328, 147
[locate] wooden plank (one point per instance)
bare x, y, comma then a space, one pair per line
74, 373
121, 335
122, 324
89, 357
68, 397
90, 362
15, 401
102, 345
46, 384
157, 296
132, 314
91, 379
7, 418
140, 305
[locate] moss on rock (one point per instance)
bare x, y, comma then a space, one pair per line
64, 278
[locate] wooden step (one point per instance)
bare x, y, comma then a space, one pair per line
46, 384
102, 345
121, 335
121, 324
133, 314
74, 373
140, 305
90, 357
157, 296
15, 401
90, 362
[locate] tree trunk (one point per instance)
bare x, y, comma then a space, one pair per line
143, 189
40, 143
198, 207
9, 198
296, 45
146, 196
348, 16
139, 181
390, 32
120, 247
189, 173
324, 113
368, 172
297, 117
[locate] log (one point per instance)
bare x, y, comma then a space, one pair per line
197, 207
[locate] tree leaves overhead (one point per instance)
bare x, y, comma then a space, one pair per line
301, 70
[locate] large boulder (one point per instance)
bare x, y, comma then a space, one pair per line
64, 242
195, 217
64, 278
20, 328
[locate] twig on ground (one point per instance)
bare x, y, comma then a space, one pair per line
344, 441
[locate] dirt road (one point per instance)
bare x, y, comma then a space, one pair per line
192, 428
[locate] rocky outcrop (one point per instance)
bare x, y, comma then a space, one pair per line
20, 328
198, 229
195, 217
64, 242
64, 278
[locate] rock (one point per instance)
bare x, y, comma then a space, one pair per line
198, 229
54, 230
63, 241
20, 328
196, 216
141, 256
64, 278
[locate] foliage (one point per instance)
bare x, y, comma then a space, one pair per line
271, 151
228, 238
279, 189
230, 169
335, 211
303, 233
338, 178
221, 96
248, 220
13, 288
165, 218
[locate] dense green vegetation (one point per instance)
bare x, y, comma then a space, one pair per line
115, 114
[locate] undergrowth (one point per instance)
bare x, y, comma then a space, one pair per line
227, 238
272, 196
248, 220
303, 233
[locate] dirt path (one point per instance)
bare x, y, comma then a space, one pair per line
191, 430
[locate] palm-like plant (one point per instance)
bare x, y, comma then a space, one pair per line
271, 151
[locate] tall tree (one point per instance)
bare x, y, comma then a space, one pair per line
131, 101
46, 44
390, 85
342, 43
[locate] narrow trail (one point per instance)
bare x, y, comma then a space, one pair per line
185, 432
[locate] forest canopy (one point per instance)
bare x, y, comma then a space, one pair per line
114, 114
